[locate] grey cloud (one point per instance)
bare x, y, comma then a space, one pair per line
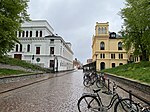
75, 20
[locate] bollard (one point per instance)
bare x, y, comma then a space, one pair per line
108, 85
130, 97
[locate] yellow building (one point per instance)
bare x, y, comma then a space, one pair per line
107, 48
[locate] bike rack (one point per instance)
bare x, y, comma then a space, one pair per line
131, 94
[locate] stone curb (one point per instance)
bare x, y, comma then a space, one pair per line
135, 84
16, 78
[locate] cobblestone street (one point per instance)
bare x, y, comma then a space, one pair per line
59, 94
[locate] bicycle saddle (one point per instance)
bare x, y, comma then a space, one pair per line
96, 90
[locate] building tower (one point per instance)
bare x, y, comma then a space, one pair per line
107, 48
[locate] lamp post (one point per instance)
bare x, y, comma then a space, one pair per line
56, 68
96, 63
32, 58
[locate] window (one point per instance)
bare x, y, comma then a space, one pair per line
102, 55
105, 30
23, 34
17, 48
37, 50
113, 65
51, 40
120, 46
40, 33
99, 30
137, 59
102, 46
51, 50
16, 33
120, 56
26, 33
52, 63
28, 48
20, 47
19, 34
120, 64
112, 56
36, 33
30, 33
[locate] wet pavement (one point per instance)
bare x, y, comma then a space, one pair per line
58, 94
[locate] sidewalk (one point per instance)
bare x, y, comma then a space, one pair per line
6, 87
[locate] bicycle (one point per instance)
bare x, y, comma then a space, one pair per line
93, 102
145, 108
90, 79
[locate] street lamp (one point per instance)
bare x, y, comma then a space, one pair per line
55, 58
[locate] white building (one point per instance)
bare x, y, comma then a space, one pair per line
40, 46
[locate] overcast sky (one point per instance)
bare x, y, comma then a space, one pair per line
75, 20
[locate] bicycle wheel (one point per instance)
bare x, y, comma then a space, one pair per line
88, 103
100, 83
126, 105
87, 82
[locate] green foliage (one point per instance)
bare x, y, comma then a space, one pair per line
136, 30
12, 14
4, 72
24, 64
137, 71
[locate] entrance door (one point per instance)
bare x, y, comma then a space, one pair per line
102, 65
52, 65
18, 56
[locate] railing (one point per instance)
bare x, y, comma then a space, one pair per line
131, 94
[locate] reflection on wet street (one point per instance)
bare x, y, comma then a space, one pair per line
59, 94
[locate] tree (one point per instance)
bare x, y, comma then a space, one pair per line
136, 30
12, 14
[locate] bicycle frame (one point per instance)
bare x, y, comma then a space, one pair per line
113, 99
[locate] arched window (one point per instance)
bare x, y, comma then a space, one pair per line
120, 64
102, 30
26, 33
20, 47
119, 45
36, 33
30, 33
40, 33
17, 48
99, 30
105, 30
28, 48
23, 33
102, 65
102, 46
